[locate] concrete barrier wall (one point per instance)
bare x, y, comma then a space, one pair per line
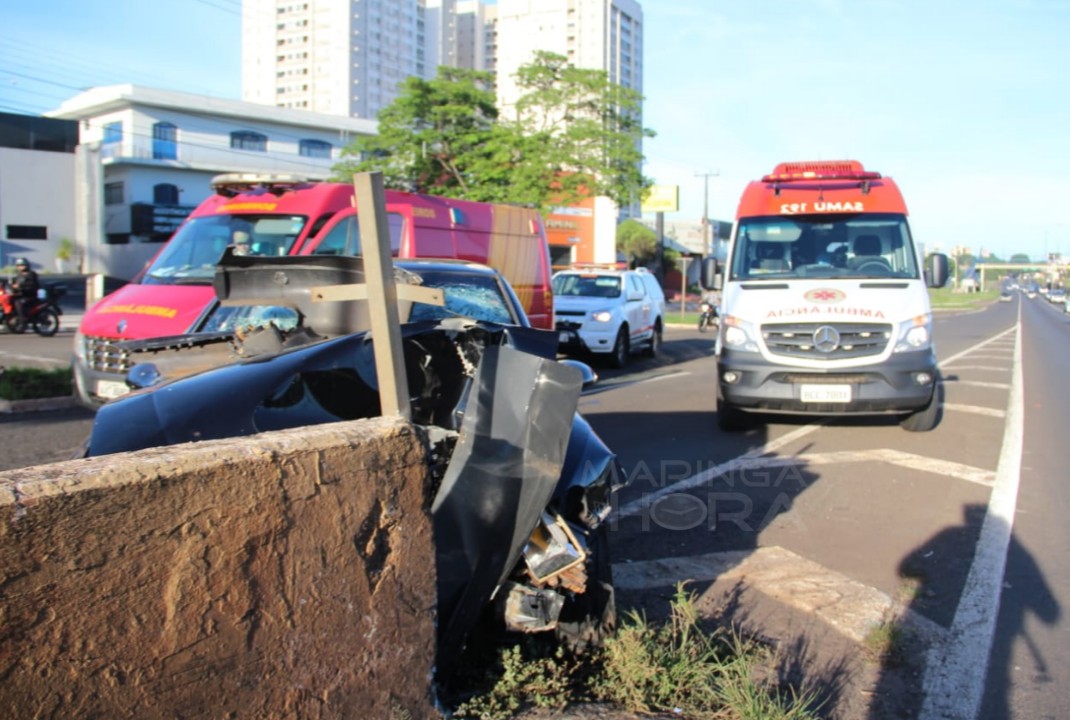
289, 575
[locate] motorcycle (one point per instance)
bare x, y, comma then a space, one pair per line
707, 317
42, 315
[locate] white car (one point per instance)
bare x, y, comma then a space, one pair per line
608, 312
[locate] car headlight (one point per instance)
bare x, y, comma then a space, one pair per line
915, 334
602, 316
739, 334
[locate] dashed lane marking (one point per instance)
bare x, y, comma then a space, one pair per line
976, 410
978, 383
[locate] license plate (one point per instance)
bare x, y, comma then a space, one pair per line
825, 393
111, 389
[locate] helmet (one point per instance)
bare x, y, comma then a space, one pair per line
21, 262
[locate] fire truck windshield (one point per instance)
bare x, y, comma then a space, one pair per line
192, 253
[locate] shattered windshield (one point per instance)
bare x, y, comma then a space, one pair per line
191, 255
840, 246
470, 295
467, 294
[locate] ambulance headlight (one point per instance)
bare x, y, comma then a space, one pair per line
739, 335
915, 334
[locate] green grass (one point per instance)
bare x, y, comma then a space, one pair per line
676, 667
946, 298
33, 383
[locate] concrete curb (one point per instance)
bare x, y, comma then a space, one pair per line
10, 407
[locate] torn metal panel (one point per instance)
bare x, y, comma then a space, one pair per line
503, 472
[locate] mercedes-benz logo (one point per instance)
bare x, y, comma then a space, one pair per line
826, 339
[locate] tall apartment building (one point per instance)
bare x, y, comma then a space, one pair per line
337, 57
347, 57
593, 34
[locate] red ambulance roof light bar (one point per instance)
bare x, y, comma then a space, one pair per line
230, 184
820, 170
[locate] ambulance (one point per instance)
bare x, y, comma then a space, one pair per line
275, 215
824, 304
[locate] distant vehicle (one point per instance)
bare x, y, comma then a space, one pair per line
824, 309
270, 215
608, 312
1005, 296
1057, 296
535, 542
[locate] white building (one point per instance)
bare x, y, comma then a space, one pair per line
593, 34
338, 57
145, 159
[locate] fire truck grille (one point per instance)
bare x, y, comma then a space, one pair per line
827, 341
103, 355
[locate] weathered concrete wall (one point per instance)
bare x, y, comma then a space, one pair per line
290, 575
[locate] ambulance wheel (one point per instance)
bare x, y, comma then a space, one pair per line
654, 347
731, 419
925, 419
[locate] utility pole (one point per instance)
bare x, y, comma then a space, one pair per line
706, 250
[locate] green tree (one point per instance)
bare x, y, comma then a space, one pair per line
575, 134
1020, 258
638, 242
432, 137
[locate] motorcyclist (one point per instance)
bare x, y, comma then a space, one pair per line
24, 291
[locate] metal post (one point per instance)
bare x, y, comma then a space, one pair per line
706, 250
683, 285
382, 295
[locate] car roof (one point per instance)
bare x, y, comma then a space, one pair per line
445, 264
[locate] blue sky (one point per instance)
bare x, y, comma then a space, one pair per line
966, 103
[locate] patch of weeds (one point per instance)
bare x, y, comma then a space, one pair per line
32, 383
886, 643
676, 667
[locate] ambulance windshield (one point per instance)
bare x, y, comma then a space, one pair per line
819, 246
191, 255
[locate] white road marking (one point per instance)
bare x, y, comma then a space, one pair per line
990, 341
955, 668
978, 383
851, 607
976, 410
994, 368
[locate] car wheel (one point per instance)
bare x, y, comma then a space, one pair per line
731, 419
654, 347
925, 419
588, 619
621, 348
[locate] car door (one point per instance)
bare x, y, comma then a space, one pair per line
638, 308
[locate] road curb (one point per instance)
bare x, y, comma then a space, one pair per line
10, 407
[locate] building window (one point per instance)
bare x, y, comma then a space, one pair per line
164, 141
27, 232
165, 194
117, 239
315, 149
113, 133
113, 193
248, 140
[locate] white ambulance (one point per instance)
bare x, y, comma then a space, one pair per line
824, 301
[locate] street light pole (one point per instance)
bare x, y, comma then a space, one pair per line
706, 250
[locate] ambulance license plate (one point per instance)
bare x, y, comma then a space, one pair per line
825, 393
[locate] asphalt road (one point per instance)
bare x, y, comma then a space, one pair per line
840, 521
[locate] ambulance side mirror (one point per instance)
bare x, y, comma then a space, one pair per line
710, 277
936, 270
